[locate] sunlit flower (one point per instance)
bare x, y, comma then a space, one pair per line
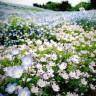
41, 83
62, 66
55, 87
74, 59
54, 56
15, 51
76, 74
14, 72
71, 94
27, 61
24, 92
92, 87
64, 75
11, 88
83, 81
35, 90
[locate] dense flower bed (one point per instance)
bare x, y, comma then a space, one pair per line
60, 62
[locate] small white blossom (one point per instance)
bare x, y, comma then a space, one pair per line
62, 66
35, 89
71, 94
24, 92
27, 61
75, 59
14, 72
15, 51
41, 83
83, 81
11, 88
54, 56
92, 87
55, 87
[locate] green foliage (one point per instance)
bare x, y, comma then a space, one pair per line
63, 6
87, 25
84, 5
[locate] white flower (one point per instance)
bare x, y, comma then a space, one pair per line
43, 59
24, 92
91, 66
41, 83
41, 48
55, 87
9, 56
54, 56
75, 59
76, 74
38, 66
38, 42
27, 61
62, 66
45, 76
11, 88
18, 88
64, 75
14, 72
71, 94
83, 81
92, 87
51, 63
35, 90
15, 51
50, 72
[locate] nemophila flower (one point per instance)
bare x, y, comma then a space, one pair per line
92, 67
53, 56
41, 83
43, 59
35, 90
51, 63
75, 59
27, 61
38, 42
83, 81
15, 51
41, 48
18, 87
92, 87
50, 72
64, 75
9, 56
71, 94
11, 88
14, 72
1, 94
76, 74
45, 76
55, 87
62, 66
24, 92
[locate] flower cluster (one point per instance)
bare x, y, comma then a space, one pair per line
62, 62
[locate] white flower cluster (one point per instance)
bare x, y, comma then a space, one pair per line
62, 63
